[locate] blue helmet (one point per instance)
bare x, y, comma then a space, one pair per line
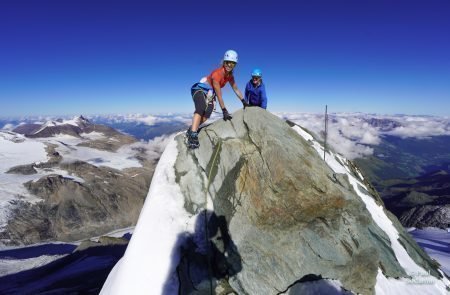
256, 73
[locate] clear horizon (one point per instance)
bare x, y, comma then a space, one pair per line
188, 114
107, 57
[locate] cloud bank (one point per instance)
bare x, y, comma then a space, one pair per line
8, 127
145, 119
353, 134
153, 148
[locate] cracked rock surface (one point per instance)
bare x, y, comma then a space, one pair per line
280, 216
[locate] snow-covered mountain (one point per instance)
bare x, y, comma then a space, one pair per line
69, 179
52, 127
256, 210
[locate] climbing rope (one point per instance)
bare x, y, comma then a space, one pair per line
206, 215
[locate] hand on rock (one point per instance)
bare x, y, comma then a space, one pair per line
226, 115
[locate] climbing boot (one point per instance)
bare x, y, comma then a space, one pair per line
192, 139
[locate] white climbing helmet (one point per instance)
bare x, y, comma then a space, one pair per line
230, 55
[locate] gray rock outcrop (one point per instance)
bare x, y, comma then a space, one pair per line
281, 215
102, 241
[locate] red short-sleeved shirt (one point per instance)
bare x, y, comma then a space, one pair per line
220, 76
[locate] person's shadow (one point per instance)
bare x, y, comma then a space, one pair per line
207, 258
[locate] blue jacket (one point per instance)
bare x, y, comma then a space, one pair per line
256, 96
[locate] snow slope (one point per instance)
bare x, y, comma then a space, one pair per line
148, 263
16, 149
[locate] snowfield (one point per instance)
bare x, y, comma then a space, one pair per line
16, 149
10, 266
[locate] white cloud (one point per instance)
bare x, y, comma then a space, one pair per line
9, 127
354, 134
347, 135
146, 119
154, 147
421, 127
370, 138
350, 147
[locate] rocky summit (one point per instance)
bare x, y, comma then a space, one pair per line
289, 215
276, 216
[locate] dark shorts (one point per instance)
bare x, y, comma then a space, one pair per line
201, 108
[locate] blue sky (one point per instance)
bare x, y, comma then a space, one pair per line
99, 57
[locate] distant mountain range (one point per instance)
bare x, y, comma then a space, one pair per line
141, 130
397, 157
72, 127
413, 178
389, 149
142, 127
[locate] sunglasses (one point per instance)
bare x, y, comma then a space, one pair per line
256, 77
230, 63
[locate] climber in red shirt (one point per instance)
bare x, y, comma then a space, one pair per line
207, 90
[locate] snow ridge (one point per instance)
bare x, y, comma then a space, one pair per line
164, 211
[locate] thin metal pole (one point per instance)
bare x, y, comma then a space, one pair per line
326, 131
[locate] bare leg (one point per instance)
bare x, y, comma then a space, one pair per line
197, 120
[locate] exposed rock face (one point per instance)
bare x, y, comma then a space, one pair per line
103, 241
27, 128
427, 215
422, 201
70, 210
117, 139
280, 214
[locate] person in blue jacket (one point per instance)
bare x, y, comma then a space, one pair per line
255, 91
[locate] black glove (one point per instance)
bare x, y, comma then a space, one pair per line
226, 115
244, 103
